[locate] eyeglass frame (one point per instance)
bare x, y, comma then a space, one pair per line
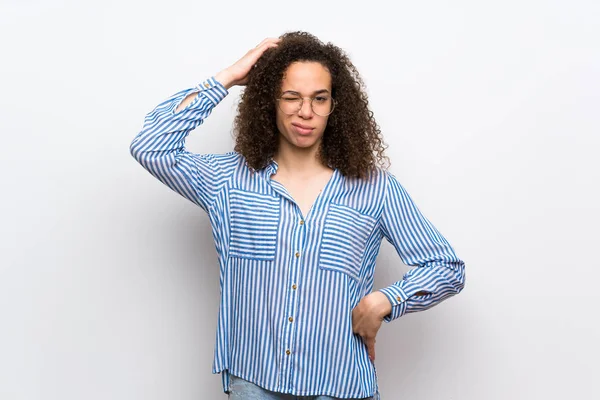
333, 103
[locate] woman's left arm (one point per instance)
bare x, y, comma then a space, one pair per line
439, 273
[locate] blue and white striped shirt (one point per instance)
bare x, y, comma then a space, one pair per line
289, 282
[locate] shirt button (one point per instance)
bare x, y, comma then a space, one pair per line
294, 286
288, 352
399, 298
291, 319
206, 85
297, 254
301, 222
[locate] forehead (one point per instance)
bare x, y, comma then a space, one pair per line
306, 77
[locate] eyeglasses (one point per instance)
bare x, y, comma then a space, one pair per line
321, 105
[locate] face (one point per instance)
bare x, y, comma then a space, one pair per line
304, 129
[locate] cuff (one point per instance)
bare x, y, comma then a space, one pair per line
213, 90
398, 296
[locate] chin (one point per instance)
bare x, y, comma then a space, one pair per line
306, 143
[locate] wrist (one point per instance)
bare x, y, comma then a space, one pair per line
224, 78
382, 305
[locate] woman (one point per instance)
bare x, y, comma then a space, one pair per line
298, 212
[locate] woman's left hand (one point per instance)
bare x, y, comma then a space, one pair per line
367, 317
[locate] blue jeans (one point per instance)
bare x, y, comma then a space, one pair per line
240, 389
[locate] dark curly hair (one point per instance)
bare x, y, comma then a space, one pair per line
352, 140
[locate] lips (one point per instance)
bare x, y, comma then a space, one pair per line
302, 129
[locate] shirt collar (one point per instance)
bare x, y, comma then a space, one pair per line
271, 167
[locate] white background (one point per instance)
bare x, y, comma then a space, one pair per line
108, 280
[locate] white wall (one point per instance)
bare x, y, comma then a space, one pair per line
108, 280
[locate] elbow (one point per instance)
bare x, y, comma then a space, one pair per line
135, 149
453, 277
459, 278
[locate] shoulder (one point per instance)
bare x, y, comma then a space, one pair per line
383, 182
372, 186
225, 162
376, 176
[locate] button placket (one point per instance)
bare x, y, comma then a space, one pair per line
289, 331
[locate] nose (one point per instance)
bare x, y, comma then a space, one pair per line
306, 109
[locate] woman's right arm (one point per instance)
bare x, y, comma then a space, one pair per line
160, 146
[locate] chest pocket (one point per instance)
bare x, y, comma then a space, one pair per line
254, 225
344, 240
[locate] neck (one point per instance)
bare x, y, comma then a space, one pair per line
298, 161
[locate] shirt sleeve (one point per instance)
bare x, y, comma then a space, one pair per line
160, 146
439, 271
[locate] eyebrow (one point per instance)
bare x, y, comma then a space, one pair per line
314, 93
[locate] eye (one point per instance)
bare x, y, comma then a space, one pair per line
321, 99
290, 98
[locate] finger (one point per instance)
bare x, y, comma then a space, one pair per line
259, 51
261, 43
253, 55
269, 40
371, 348
267, 45
355, 322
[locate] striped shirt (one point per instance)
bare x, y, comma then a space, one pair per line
289, 281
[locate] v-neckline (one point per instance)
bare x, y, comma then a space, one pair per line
322, 194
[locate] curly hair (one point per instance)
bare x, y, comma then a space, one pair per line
352, 140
